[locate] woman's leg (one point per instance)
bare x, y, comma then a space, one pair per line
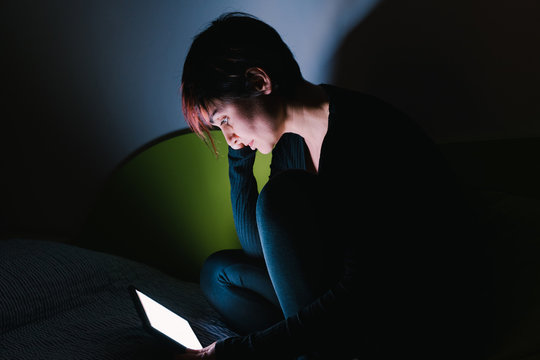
239, 288
301, 262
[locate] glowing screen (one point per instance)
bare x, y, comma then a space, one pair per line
168, 323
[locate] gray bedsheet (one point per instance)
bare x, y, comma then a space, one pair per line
58, 301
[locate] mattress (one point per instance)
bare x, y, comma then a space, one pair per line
58, 301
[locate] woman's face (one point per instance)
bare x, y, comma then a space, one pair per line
255, 122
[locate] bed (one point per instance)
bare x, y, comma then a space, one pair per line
59, 301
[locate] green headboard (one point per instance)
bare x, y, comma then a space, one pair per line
169, 205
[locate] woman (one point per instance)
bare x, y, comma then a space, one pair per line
359, 245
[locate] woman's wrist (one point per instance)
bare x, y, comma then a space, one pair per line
226, 349
241, 161
242, 152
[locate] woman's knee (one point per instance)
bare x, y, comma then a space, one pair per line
214, 267
232, 284
286, 193
288, 211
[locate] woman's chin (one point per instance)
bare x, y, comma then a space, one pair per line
264, 150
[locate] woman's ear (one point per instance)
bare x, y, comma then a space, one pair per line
258, 81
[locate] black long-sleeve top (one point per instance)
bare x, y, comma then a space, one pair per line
391, 203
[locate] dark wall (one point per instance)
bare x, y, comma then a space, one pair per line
465, 69
85, 83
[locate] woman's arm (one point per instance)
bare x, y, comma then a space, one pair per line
287, 154
244, 195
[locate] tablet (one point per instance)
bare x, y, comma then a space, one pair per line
163, 322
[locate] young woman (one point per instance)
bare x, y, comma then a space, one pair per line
359, 245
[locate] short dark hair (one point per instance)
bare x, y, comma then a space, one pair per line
216, 65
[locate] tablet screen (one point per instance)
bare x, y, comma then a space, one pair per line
168, 323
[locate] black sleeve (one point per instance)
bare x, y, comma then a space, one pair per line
244, 195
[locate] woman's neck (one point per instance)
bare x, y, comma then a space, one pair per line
307, 116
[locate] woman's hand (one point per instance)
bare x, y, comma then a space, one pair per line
208, 353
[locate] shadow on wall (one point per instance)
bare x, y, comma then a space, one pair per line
464, 70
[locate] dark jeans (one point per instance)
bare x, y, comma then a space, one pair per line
298, 265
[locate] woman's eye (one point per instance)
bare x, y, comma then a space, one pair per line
224, 121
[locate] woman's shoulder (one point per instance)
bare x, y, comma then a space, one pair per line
363, 125
373, 117
348, 102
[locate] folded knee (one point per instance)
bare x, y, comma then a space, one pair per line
213, 270
286, 193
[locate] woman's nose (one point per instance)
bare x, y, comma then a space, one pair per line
232, 139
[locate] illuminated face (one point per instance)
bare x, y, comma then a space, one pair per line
249, 122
